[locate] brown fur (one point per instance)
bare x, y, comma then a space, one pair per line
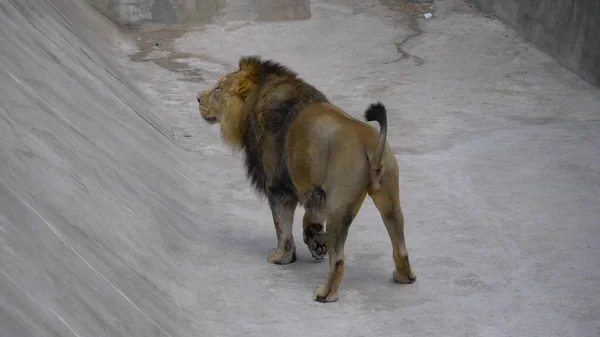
300, 148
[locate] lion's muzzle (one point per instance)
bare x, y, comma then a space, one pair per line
204, 100
206, 115
210, 119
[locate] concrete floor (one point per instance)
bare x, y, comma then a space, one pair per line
122, 214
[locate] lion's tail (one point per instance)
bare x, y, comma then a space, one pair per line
377, 112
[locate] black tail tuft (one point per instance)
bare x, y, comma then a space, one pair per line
376, 112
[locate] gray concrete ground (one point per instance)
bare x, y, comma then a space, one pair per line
121, 214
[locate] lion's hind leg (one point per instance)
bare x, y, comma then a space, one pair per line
313, 229
387, 202
339, 220
313, 233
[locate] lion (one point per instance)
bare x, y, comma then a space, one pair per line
300, 149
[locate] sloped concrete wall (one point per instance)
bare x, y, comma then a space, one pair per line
569, 30
136, 12
84, 160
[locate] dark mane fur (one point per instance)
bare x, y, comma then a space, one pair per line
268, 115
267, 67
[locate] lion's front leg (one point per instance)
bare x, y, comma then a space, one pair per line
283, 210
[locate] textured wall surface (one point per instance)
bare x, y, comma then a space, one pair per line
68, 117
569, 30
200, 11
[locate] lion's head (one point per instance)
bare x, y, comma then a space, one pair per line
224, 102
220, 100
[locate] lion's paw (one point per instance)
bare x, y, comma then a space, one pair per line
280, 256
407, 278
323, 295
316, 243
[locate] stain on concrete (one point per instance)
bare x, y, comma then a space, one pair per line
472, 280
156, 45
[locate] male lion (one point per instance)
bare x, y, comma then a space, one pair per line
299, 148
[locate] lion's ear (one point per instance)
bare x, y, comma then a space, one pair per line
246, 82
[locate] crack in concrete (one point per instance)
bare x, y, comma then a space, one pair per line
411, 10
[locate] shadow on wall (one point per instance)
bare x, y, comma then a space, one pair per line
168, 12
567, 30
